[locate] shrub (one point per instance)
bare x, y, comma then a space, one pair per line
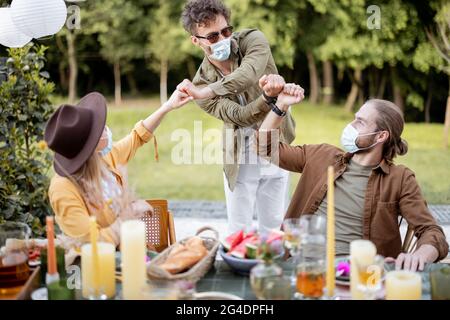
24, 161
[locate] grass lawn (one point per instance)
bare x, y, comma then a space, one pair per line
315, 124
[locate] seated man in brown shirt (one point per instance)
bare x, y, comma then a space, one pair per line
372, 193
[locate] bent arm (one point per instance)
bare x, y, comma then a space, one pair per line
414, 208
252, 67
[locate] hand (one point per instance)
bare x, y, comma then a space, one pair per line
416, 260
292, 94
272, 84
177, 100
197, 93
138, 209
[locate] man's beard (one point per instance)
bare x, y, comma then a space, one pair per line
365, 142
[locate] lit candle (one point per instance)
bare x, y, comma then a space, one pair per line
403, 285
52, 271
364, 251
330, 234
106, 282
94, 270
133, 259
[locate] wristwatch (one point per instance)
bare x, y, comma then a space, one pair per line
277, 110
269, 99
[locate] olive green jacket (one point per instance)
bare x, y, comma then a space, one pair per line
239, 102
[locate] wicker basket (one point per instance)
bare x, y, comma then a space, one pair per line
196, 272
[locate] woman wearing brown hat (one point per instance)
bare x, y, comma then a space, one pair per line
89, 180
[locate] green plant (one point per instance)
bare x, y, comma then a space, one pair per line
24, 163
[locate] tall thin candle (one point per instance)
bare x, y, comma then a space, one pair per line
330, 234
95, 264
51, 252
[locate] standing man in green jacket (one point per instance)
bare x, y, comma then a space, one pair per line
227, 87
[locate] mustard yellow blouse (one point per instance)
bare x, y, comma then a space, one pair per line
72, 214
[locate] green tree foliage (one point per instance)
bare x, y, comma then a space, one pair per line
168, 44
277, 19
24, 162
120, 28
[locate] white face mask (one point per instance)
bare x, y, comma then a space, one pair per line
109, 146
349, 137
221, 50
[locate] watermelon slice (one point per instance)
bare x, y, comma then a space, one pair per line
241, 249
233, 240
251, 251
275, 235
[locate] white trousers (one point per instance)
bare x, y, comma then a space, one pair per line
260, 190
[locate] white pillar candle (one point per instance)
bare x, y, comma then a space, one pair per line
364, 251
106, 282
403, 285
133, 259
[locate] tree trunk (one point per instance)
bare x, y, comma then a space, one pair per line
117, 84
62, 75
191, 68
163, 80
398, 97
73, 66
447, 120
428, 102
328, 84
313, 78
373, 81
351, 98
132, 83
382, 87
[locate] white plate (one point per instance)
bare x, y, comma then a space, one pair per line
40, 294
215, 295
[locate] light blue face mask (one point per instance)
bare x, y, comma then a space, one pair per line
108, 147
221, 50
349, 137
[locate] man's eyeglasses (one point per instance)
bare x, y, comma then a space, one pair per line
214, 37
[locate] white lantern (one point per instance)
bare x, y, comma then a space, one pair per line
9, 35
39, 18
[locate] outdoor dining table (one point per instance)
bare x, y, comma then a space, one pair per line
223, 279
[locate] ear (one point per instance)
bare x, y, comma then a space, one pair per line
384, 136
195, 41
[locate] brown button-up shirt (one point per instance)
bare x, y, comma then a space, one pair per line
392, 191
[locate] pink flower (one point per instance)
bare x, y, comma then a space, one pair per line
343, 268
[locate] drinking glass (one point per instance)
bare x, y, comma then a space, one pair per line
292, 235
311, 267
278, 289
160, 290
440, 283
14, 270
370, 276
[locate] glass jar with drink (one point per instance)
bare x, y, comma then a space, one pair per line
14, 270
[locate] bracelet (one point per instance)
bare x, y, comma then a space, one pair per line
277, 110
269, 100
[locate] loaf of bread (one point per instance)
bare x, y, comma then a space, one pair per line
184, 256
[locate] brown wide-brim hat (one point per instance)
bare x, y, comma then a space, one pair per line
73, 132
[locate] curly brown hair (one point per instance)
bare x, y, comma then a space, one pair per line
202, 12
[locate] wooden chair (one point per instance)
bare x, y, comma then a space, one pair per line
159, 225
410, 240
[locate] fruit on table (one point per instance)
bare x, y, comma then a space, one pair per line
233, 240
245, 245
240, 251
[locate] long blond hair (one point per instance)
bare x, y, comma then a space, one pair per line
88, 181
